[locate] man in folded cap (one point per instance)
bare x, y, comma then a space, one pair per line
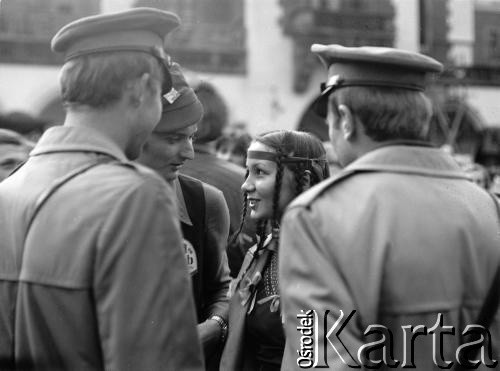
203, 212
92, 272
401, 236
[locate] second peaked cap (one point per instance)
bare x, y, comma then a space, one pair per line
372, 66
376, 66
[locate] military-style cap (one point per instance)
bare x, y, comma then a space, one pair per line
181, 107
372, 66
136, 29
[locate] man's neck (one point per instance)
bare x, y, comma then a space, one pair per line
109, 122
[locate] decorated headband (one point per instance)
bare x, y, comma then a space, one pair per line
273, 156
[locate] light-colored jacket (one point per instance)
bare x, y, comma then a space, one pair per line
400, 236
100, 281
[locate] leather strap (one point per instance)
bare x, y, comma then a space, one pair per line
58, 183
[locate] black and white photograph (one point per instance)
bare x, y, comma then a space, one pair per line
249, 185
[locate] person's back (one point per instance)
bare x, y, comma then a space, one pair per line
221, 174
68, 260
92, 273
400, 247
430, 251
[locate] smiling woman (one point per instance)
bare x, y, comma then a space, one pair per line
280, 165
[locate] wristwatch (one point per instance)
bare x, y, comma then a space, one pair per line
223, 327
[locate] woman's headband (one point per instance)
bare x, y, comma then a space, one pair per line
273, 156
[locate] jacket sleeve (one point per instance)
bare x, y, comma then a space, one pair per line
145, 310
310, 279
216, 267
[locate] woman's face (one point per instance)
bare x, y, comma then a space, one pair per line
260, 182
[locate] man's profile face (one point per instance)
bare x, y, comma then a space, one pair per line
167, 152
336, 120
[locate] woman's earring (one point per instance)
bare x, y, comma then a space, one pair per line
307, 179
275, 232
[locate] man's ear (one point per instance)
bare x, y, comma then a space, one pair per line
307, 180
138, 89
347, 122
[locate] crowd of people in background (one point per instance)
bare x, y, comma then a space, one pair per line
230, 144
150, 232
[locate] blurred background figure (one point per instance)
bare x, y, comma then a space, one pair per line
14, 150
477, 173
219, 173
494, 186
237, 128
23, 123
233, 148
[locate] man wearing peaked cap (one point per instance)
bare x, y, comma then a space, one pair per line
401, 236
203, 212
93, 272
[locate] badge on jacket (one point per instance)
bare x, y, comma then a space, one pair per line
191, 259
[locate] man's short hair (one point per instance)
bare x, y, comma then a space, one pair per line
98, 80
387, 113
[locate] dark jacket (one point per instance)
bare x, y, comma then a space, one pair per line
238, 353
228, 178
205, 227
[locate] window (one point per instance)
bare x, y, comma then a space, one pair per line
217, 11
494, 43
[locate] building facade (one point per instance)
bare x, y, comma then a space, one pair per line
26, 27
257, 51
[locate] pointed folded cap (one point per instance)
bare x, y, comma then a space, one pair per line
372, 66
181, 107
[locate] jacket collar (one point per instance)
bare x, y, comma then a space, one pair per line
76, 139
391, 158
410, 159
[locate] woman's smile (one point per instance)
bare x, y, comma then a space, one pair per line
253, 203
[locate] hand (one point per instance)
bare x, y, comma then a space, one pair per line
210, 335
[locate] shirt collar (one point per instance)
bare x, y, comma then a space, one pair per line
181, 203
76, 139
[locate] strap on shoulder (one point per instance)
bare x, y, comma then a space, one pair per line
58, 183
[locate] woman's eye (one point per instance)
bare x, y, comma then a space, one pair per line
171, 139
